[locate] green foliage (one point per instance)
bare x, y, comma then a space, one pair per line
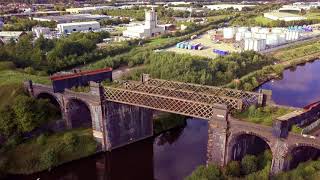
8, 124
31, 156
296, 129
6, 65
306, 170
49, 157
262, 115
71, 141
53, 55
233, 169
25, 24
249, 164
42, 139
30, 113
212, 172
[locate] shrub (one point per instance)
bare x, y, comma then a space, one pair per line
7, 65
41, 140
29, 70
249, 164
233, 169
49, 157
70, 140
203, 172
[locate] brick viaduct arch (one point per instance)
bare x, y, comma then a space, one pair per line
116, 124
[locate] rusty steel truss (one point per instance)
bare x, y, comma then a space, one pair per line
181, 98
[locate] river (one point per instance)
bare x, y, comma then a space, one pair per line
174, 154
298, 87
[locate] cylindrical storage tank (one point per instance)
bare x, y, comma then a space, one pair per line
255, 29
264, 30
248, 35
277, 30
282, 38
243, 29
239, 36
228, 33
272, 39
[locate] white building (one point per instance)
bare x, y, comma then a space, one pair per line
283, 16
149, 29
38, 31
66, 28
227, 6
6, 36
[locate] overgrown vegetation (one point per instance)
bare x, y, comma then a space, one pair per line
306, 170
53, 55
250, 167
201, 70
48, 151
24, 24
262, 115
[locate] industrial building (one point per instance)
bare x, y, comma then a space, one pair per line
71, 18
67, 28
149, 29
227, 6
88, 9
258, 38
282, 16
6, 36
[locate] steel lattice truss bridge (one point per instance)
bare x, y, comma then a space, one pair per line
181, 98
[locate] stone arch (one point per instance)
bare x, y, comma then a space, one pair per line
243, 143
51, 97
78, 113
301, 152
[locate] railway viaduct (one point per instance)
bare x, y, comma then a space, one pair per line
121, 114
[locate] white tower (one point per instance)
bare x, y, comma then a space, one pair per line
151, 19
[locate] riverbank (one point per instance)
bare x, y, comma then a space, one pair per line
288, 57
47, 151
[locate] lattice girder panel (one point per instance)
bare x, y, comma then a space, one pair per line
161, 103
247, 97
231, 103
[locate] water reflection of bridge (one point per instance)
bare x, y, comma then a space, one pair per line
121, 114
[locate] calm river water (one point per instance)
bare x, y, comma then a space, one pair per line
175, 154
298, 87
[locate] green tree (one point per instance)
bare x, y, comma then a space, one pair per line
7, 121
233, 169
49, 157
249, 164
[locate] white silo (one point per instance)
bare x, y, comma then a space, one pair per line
239, 36
228, 33
243, 29
264, 30
255, 29
282, 38
248, 35
272, 39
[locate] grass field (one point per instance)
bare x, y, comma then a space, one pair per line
262, 21
313, 15
209, 46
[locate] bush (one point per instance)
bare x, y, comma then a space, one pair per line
41, 140
203, 172
70, 140
233, 169
249, 164
29, 70
49, 157
7, 65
